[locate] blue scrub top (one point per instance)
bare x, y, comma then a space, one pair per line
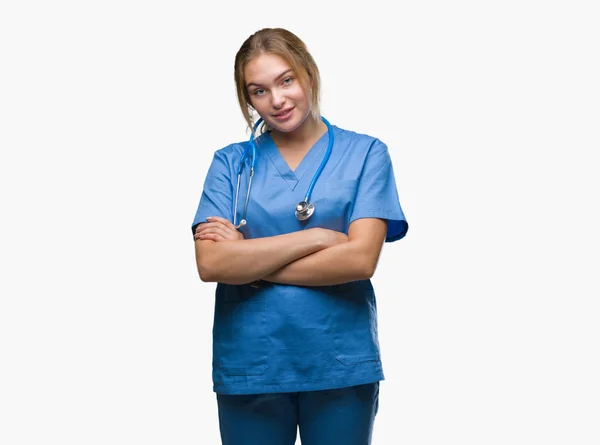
285, 338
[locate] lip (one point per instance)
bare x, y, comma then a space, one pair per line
284, 115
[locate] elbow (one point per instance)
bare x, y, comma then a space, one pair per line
215, 267
207, 270
210, 273
205, 262
368, 267
363, 259
366, 270
205, 274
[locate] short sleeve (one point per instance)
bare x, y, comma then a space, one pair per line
377, 195
217, 194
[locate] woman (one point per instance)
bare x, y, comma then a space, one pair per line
295, 329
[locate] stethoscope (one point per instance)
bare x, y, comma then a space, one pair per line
304, 209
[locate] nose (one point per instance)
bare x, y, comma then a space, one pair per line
277, 98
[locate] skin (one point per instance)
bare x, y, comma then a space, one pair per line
333, 257
311, 257
273, 87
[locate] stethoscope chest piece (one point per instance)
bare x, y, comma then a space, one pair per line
304, 210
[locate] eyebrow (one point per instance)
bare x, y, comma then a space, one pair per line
248, 85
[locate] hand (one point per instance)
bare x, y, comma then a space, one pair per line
217, 229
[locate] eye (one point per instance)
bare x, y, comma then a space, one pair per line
259, 92
287, 80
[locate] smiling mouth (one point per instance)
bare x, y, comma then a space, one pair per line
284, 113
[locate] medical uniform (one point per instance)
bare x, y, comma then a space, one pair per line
278, 338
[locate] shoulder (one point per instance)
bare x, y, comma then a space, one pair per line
232, 151
226, 160
359, 142
230, 156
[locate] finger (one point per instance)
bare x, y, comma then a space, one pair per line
201, 226
205, 226
202, 237
222, 220
212, 236
229, 229
211, 222
198, 236
212, 227
220, 230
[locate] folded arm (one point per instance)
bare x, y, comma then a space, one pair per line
222, 255
347, 261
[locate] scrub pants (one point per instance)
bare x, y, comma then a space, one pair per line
334, 416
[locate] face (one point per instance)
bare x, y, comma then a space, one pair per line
276, 93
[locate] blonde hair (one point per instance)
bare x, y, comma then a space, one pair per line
290, 48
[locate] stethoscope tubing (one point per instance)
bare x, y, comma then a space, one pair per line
252, 145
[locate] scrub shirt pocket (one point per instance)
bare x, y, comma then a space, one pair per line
355, 334
240, 334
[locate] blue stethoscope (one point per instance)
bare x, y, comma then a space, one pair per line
304, 209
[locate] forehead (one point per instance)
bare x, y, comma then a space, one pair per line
265, 68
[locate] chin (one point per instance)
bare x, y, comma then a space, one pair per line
286, 127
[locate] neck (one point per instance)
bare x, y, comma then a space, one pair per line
310, 130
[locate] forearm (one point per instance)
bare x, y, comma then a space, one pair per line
244, 261
339, 264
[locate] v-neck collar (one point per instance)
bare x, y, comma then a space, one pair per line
293, 177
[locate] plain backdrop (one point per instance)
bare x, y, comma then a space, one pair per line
110, 113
